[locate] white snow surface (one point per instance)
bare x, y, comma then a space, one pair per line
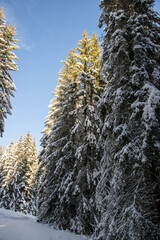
18, 226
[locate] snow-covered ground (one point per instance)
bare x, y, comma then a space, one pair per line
18, 226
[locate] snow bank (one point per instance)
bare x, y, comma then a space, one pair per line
18, 226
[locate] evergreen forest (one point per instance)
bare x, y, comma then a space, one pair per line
98, 170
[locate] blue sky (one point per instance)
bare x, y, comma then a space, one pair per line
47, 30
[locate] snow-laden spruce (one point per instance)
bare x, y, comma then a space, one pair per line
128, 194
7, 63
18, 165
69, 158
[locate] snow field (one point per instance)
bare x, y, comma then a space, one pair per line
18, 226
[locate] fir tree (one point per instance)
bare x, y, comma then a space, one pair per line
31, 164
129, 189
2, 165
17, 179
6, 191
86, 130
58, 156
32, 209
7, 63
69, 159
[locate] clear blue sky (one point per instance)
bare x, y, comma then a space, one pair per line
47, 30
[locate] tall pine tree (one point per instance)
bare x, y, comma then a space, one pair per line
128, 194
7, 185
18, 167
2, 164
86, 130
70, 156
19, 179
7, 64
57, 158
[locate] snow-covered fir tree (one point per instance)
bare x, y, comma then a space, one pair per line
33, 167
19, 179
6, 191
18, 166
70, 157
57, 159
30, 165
86, 130
2, 164
128, 194
7, 64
